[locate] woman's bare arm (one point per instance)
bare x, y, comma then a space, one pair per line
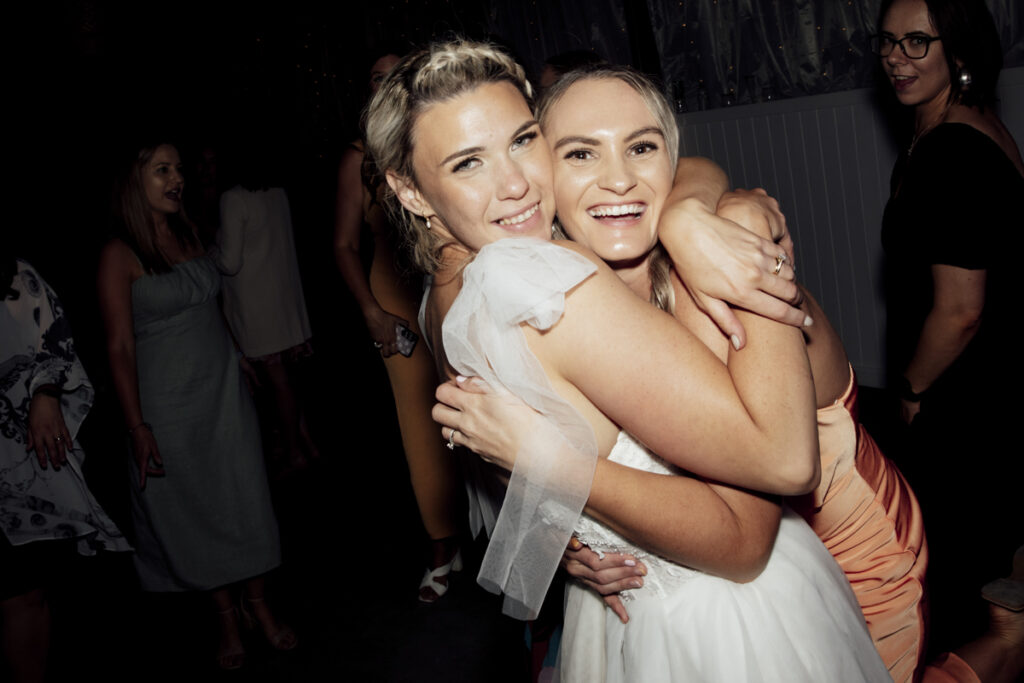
721, 263
750, 424
717, 529
116, 272
347, 226
959, 301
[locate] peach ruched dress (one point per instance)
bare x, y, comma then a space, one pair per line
869, 519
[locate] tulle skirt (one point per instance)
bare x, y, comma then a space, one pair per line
798, 621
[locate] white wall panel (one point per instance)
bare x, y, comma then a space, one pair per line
827, 159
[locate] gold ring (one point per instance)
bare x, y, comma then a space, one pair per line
779, 260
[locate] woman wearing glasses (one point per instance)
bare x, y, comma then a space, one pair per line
951, 234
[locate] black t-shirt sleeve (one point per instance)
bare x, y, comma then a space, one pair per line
961, 185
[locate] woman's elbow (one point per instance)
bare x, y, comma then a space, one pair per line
750, 560
751, 570
968, 319
963, 315
228, 264
800, 474
346, 255
808, 478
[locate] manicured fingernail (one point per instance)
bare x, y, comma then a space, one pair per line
808, 321
574, 543
630, 563
735, 342
636, 583
460, 379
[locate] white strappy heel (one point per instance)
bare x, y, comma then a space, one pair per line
431, 576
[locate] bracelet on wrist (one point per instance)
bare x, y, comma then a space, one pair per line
141, 424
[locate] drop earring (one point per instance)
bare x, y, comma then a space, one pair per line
428, 222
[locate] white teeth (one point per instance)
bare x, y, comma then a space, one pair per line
620, 210
514, 220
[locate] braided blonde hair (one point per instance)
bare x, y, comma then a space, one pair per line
435, 74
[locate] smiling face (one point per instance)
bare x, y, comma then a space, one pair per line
613, 170
922, 83
163, 181
482, 170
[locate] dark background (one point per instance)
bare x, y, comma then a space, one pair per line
87, 80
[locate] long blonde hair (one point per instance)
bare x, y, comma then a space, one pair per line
135, 216
659, 266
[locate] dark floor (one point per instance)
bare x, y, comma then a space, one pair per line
353, 552
349, 593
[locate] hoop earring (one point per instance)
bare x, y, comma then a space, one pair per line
965, 78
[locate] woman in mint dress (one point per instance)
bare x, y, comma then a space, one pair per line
200, 500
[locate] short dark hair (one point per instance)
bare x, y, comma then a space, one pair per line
969, 36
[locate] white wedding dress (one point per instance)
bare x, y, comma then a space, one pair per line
798, 621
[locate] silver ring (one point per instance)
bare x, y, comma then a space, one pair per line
58, 439
451, 440
377, 345
779, 260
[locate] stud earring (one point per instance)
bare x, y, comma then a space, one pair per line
965, 78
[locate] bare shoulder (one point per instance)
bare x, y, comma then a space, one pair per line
578, 248
603, 269
119, 262
353, 155
603, 307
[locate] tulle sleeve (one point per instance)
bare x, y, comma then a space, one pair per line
511, 282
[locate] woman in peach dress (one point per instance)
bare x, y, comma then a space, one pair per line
387, 293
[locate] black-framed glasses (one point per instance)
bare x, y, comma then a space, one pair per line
914, 45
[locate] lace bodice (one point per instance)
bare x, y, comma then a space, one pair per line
662, 575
